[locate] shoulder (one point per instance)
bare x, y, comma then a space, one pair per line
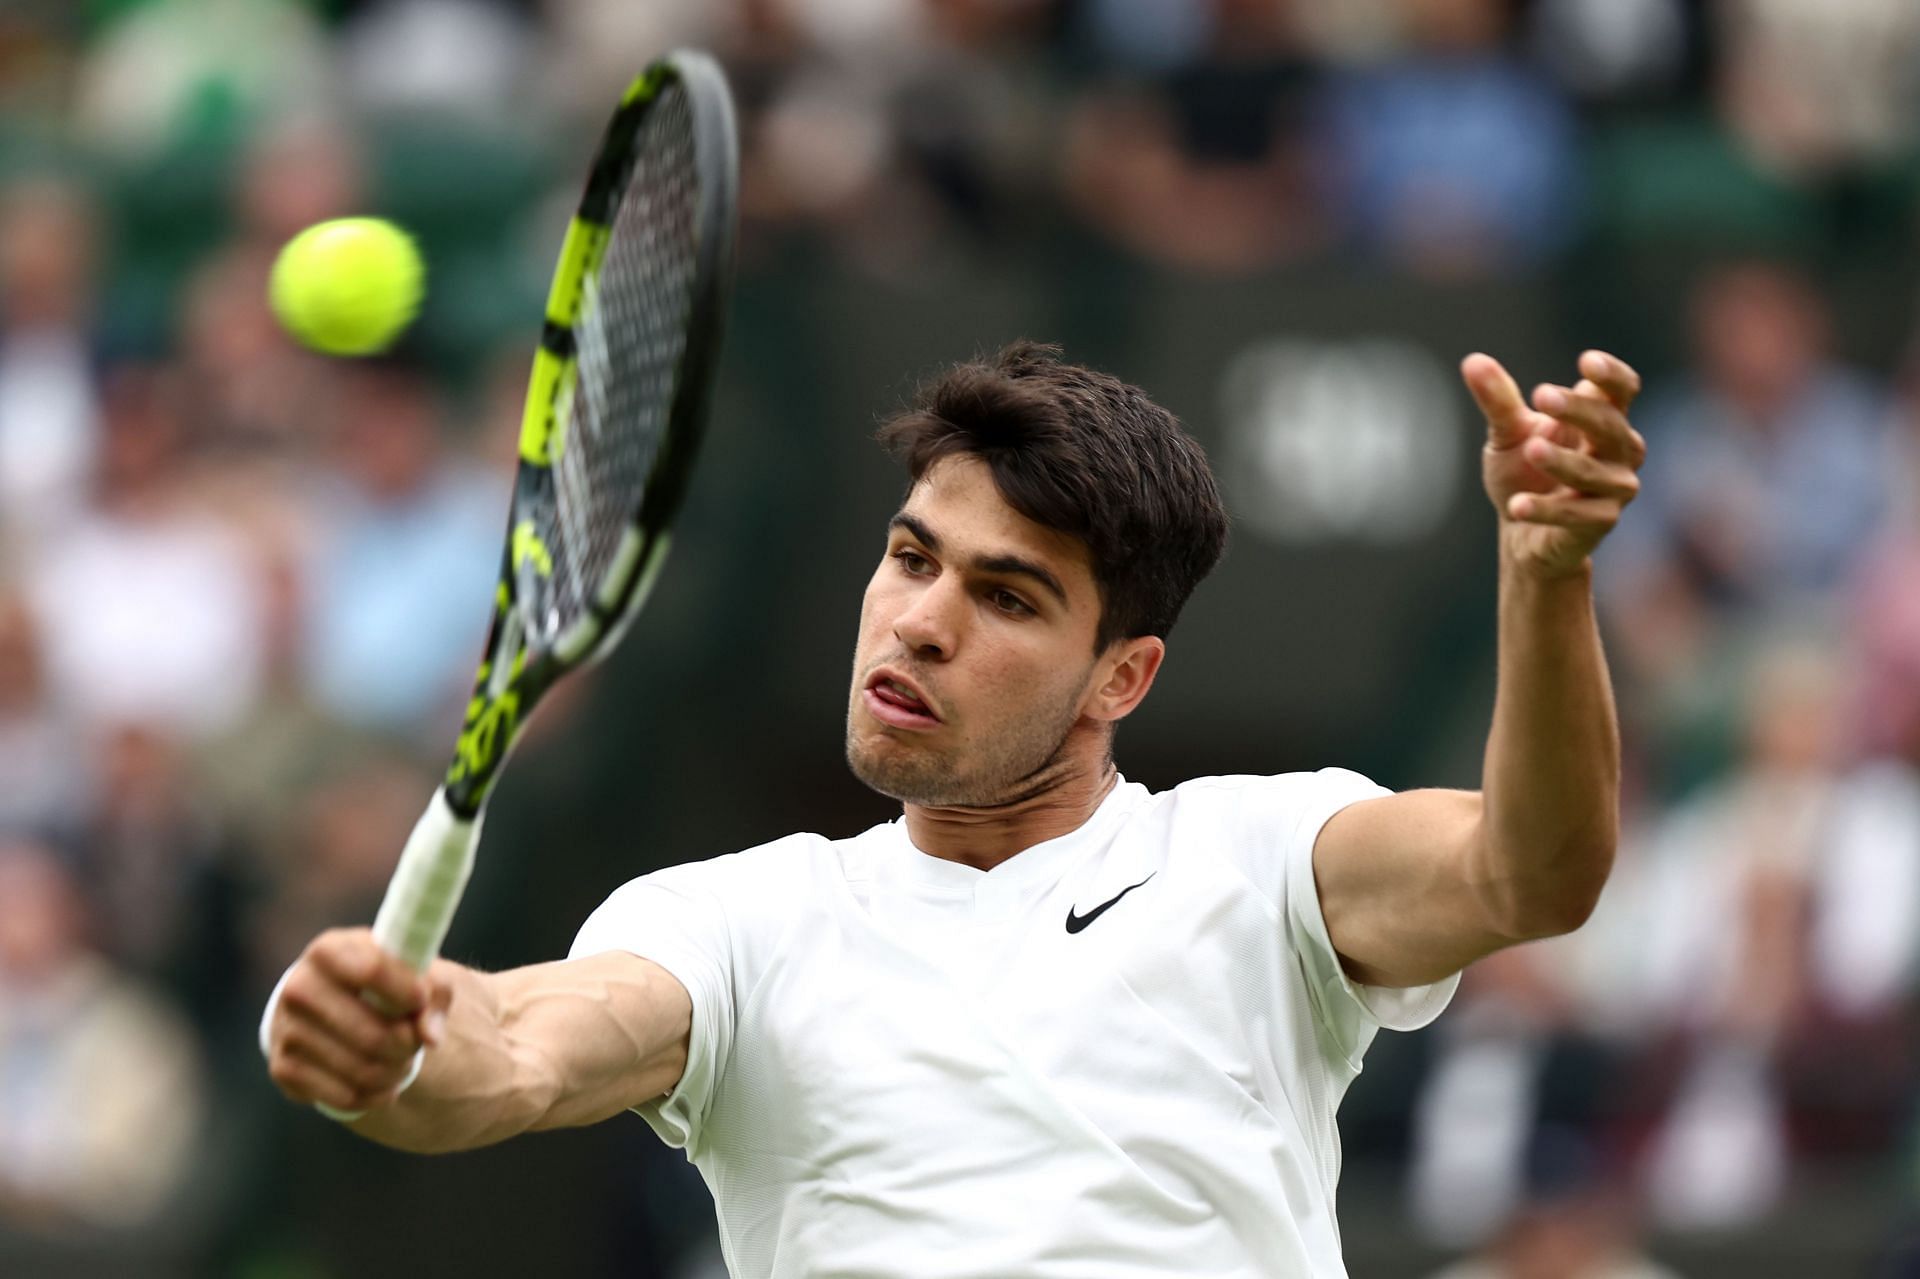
1260, 824
1265, 798
770, 870
709, 917
771, 879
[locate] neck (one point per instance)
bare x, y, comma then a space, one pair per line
986, 836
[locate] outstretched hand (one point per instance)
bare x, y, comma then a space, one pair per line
328, 1042
1560, 470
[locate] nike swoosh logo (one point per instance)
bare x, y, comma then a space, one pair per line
1076, 922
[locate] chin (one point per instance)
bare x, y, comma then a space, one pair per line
908, 781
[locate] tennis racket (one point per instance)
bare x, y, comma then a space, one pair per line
615, 408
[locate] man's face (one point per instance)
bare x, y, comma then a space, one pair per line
975, 658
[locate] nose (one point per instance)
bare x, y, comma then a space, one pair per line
930, 625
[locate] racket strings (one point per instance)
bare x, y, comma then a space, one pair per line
629, 340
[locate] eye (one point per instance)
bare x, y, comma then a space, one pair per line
912, 561
1009, 603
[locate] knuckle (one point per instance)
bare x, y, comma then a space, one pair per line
299, 995
333, 941
363, 963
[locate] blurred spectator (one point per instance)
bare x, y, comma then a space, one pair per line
1769, 471
246, 773
296, 173
153, 601
446, 57
1511, 1060
43, 767
102, 1099
1815, 88
596, 46
893, 128
1780, 922
252, 390
1453, 158
155, 868
1573, 1224
181, 71
48, 401
1207, 169
410, 539
336, 851
1768, 475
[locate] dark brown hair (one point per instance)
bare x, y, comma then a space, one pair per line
1085, 454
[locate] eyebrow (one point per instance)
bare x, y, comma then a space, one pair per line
1014, 565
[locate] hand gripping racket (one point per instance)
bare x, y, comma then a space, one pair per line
615, 408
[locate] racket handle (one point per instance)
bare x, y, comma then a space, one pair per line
418, 909
421, 897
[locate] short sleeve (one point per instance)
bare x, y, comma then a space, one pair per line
1348, 1012
675, 919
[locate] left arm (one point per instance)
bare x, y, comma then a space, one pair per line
1418, 885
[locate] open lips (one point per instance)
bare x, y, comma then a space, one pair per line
896, 700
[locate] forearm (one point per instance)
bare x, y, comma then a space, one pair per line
475, 1086
1551, 786
548, 1046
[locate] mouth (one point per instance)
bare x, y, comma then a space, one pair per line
895, 700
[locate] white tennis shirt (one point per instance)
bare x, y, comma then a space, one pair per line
904, 1067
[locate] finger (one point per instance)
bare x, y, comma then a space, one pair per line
1498, 396
354, 959
1616, 378
1569, 511
358, 1073
321, 1005
1604, 425
1586, 474
304, 1082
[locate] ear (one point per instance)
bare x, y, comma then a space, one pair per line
1123, 676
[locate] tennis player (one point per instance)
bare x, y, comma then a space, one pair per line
1047, 1023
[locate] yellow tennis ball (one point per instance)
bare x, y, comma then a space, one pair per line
349, 286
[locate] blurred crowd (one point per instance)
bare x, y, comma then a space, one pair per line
239, 583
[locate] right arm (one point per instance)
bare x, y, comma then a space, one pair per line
555, 1045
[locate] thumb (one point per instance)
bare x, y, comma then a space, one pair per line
1499, 399
433, 1013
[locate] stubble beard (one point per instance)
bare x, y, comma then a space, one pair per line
1010, 766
